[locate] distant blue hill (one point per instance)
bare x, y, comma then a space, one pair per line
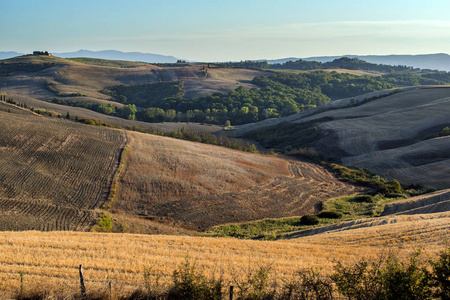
440, 61
9, 54
118, 55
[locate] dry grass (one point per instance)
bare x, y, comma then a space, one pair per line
204, 185
50, 259
426, 231
54, 172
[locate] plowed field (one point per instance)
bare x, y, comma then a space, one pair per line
54, 172
203, 185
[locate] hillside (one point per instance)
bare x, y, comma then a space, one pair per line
395, 134
203, 185
54, 173
54, 169
33, 80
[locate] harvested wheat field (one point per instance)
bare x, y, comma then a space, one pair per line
50, 259
203, 185
54, 172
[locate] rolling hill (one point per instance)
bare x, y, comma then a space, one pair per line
393, 133
34, 80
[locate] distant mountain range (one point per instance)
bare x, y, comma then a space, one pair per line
440, 61
9, 54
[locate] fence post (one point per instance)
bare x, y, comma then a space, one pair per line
110, 290
21, 273
82, 287
231, 292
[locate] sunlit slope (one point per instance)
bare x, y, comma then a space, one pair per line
204, 185
54, 172
438, 201
422, 230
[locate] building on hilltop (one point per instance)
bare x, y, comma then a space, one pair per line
42, 53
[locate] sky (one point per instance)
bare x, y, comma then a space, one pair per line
228, 30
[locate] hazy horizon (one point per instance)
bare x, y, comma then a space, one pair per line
201, 30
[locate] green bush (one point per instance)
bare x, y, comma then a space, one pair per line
363, 198
441, 275
329, 214
189, 284
309, 220
387, 278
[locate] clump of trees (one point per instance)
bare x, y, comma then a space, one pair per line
279, 95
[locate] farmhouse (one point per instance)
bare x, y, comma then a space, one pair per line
42, 53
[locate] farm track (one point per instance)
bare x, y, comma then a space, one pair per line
54, 172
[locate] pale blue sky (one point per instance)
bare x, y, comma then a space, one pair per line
219, 30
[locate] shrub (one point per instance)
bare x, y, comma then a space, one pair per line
256, 286
309, 220
306, 285
105, 222
189, 284
441, 275
363, 198
388, 278
329, 214
406, 280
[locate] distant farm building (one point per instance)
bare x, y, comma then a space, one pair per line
42, 53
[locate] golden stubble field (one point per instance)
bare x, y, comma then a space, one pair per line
50, 260
204, 185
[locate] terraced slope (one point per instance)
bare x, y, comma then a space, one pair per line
423, 230
431, 203
54, 173
203, 185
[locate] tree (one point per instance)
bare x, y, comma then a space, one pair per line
129, 112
